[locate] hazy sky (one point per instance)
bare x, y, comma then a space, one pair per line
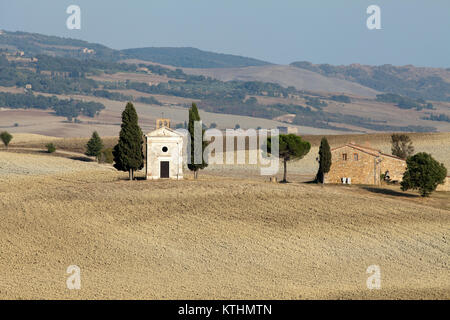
321, 31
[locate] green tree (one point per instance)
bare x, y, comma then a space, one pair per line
6, 138
194, 117
128, 155
401, 145
94, 146
324, 160
291, 147
423, 173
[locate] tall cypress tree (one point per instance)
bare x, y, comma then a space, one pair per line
128, 154
94, 145
193, 117
324, 160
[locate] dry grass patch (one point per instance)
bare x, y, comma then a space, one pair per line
67, 144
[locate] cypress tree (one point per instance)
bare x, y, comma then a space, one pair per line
193, 117
324, 160
128, 154
94, 146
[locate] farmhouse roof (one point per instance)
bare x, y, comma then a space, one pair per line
392, 156
368, 150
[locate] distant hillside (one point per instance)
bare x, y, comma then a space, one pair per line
316, 98
286, 76
192, 58
34, 44
410, 81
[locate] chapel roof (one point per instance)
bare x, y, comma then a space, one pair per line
164, 132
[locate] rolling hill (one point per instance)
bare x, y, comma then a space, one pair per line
89, 83
413, 82
286, 76
362, 80
191, 58
33, 44
38, 44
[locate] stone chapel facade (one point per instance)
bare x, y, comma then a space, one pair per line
164, 152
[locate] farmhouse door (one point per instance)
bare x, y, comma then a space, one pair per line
164, 170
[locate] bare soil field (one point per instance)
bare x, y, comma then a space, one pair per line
218, 237
25, 140
286, 76
169, 100
20, 164
138, 77
108, 122
145, 62
390, 114
384, 113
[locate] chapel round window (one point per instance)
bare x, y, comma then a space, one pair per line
165, 149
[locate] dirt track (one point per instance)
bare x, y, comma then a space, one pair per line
214, 238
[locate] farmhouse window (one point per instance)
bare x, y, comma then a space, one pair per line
344, 156
355, 156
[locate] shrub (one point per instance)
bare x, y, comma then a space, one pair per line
6, 138
106, 156
50, 147
341, 98
423, 173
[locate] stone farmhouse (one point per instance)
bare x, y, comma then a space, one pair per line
164, 152
288, 130
355, 164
